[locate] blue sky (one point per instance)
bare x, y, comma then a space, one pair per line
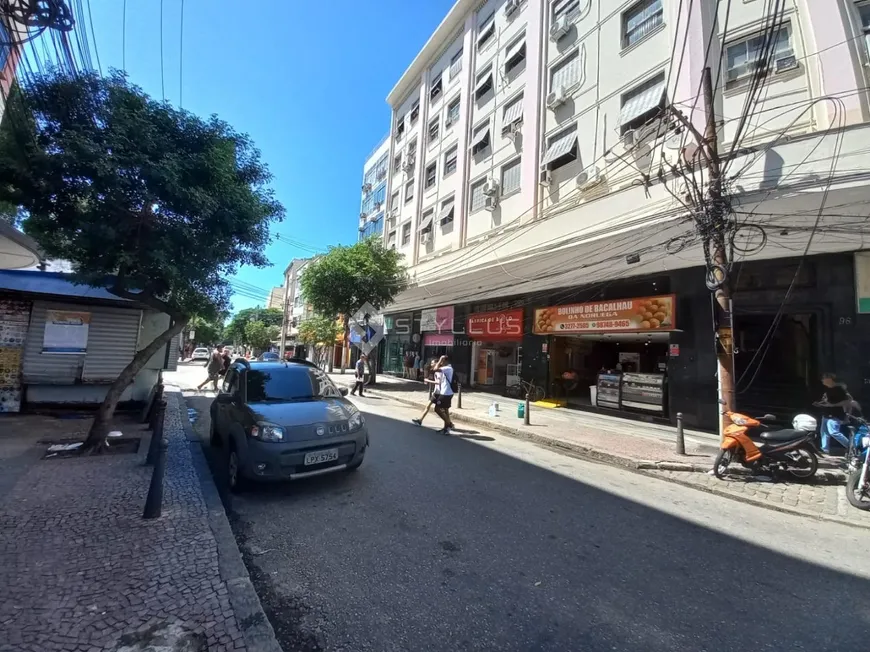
307, 81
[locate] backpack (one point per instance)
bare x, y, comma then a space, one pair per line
454, 384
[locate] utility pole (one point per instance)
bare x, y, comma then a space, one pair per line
714, 231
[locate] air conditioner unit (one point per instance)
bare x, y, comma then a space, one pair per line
408, 165
559, 28
367, 187
511, 6
628, 139
556, 98
786, 62
362, 216
491, 203
425, 237
589, 177
490, 187
512, 130
545, 177
378, 206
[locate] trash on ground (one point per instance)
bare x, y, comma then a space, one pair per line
59, 448
116, 433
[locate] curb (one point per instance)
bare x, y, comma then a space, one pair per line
256, 629
759, 503
578, 449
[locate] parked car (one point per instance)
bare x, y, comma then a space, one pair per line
285, 421
268, 356
200, 353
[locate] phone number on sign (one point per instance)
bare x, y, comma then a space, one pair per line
595, 325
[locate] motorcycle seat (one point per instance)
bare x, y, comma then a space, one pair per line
783, 435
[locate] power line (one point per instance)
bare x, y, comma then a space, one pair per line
180, 60
162, 69
124, 37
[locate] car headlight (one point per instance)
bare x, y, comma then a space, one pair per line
267, 432
356, 422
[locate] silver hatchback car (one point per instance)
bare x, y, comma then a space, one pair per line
283, 421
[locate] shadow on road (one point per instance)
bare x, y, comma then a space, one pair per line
443, 544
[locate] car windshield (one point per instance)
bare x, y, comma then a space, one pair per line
288, 384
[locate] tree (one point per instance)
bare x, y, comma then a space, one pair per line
208, 332
347, 277
321, 333
237, 328
160, 204
259, 336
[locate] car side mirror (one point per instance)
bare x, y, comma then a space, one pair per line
343, 391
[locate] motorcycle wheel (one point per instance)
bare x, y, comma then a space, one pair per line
858, 497
807, 466
720, 464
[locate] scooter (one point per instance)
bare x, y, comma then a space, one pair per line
857, 463
773, 451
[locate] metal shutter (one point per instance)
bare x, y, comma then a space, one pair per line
48, 368
112, 342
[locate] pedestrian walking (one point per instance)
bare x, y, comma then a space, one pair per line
214, 366
442, 397
227, 361
417, 364
360, 375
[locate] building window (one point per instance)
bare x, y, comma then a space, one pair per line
397, 162
426, 221
452, 113
415, 112
510, 177
476, 197
484, 84
435, 89
409, 191
640, 20
372, 228
567, 8
744, 59
450, 161
456, 64
512, 117
391, 240
434, 126
486, 31
431, 174
566, 73
561, 149
412, 153
864, 17
480, 140
406, 233
643, 104
400, 128
515, 55
445, 216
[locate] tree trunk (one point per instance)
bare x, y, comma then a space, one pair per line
96, 440
344, 343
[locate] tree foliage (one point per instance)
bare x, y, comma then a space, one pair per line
236, 330
340, 282
260, 336
162, 202
206, 332
321, 333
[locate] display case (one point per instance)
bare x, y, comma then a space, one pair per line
645, 392
608, 393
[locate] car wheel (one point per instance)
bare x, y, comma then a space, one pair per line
235, 480
353, 467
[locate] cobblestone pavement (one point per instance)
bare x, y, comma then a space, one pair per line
80, 568
824, 500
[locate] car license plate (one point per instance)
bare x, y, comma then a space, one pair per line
321, 456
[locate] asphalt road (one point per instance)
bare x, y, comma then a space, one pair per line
482, 542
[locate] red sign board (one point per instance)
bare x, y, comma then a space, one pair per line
675, 350
503, 325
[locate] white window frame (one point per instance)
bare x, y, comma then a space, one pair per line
456, 64
549, 141
649, 25
414, 113
436, 123
443, 205
454, 151
455, 103
479, 79
471, 188
865, 29
516, 100
426, 213
518, 163
486, 29
395, 200
434, 167
478, 128
521, 42
561, 65
406, 227
409, 191
567, 8
753, 67
436, 85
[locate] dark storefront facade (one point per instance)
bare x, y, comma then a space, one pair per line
645, 346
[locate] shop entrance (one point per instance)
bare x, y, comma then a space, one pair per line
496, 364
577, 361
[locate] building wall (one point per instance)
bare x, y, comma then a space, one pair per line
373, 203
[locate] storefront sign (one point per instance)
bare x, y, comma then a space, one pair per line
503, 325
437, 319
438, 339
643, 314
66, 332
675, 350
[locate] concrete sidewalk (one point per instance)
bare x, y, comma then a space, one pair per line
81, 570
634, 444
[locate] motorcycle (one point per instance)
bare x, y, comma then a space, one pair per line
760, 446
857, 463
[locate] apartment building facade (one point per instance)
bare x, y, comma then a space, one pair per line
538, 168
295, 309
374, 191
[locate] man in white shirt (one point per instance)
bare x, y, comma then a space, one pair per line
443, 396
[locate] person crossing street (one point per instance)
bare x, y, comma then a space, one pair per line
360, 375
443, 394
